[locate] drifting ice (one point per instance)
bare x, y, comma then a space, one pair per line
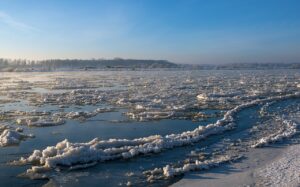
70, 154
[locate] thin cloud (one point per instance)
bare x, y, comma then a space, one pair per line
8, 20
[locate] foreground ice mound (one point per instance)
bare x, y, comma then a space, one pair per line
69, 154
10, 137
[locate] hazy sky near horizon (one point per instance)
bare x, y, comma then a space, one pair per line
183, 31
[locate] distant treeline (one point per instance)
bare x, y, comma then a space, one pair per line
75, 64
118, 63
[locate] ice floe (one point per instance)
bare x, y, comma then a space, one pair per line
82, 114
286, 130
9, 136
169, 171
40, 121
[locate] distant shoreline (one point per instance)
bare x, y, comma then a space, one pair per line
138, 69
20, 65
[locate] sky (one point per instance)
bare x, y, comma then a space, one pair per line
181, 31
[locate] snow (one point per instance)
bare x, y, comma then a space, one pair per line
283, 171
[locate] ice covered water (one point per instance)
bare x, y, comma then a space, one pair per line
138, 127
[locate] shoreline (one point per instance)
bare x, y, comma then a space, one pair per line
275, 165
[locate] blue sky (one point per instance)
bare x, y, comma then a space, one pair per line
183, 31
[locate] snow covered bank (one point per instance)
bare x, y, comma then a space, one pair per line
283, 171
